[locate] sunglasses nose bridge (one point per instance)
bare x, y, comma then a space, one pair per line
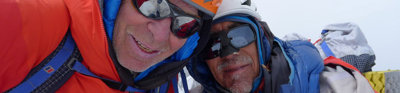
228, 51
231, 41
226, 46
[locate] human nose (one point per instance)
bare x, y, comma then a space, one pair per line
160, 29
230, 56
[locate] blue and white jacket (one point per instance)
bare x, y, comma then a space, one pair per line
287, 66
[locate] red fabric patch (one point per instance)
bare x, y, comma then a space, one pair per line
334, 60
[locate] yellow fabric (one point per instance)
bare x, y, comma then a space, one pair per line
377, 80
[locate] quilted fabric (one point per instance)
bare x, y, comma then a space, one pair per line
392, 84
384, 81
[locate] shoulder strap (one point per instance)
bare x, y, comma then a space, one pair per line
336, 61
80, 68
325, 48
184, 81
53, 71
57, 68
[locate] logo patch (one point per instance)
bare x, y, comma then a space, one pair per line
49, 69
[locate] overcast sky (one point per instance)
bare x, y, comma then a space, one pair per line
379, 20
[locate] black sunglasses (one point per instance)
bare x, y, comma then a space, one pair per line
225, 43
183, 25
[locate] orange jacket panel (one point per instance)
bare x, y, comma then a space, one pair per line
31, 29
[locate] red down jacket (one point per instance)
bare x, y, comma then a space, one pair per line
32, 29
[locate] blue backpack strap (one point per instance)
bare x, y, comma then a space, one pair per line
52, 72
132, 89
175, 84
328, 52
163, 88
326, 49
80, 68
56, 69
184, 81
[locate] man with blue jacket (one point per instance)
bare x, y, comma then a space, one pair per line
243, 56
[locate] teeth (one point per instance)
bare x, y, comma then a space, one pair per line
146, 49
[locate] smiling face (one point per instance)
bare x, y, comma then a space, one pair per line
235, 72
140, 42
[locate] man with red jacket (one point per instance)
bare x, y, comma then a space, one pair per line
95, 45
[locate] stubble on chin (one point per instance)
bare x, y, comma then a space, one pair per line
240, 85
240, 82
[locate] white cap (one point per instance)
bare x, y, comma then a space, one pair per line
237, 6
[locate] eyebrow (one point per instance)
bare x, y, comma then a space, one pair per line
235, 24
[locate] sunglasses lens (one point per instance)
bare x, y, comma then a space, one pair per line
241, 36
153, 8
212, 49
184, 26
238, 37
